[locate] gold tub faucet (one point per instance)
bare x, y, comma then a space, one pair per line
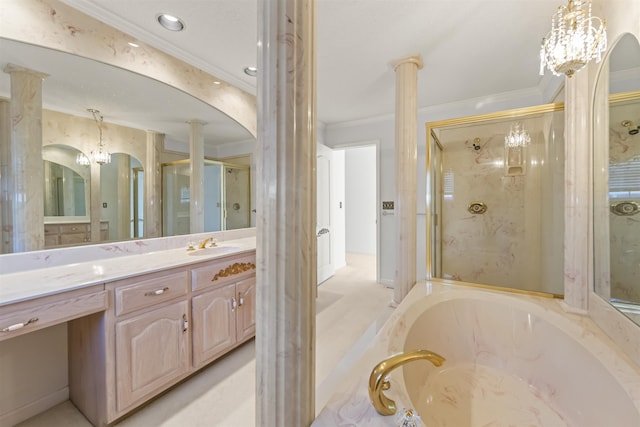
378, 379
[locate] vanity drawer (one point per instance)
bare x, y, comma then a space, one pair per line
50, 230
74, 228
30, 316
225, 270
156, 288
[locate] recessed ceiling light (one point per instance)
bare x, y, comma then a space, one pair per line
217, 82
170, 22
132, 44
251, 71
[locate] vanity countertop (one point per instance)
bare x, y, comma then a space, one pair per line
31, 284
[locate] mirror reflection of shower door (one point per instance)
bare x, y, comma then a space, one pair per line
236, 198
137, 203
213, 197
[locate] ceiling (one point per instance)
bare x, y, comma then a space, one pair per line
470, 48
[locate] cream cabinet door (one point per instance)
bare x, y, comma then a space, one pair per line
152, 351
246, 316
214, 323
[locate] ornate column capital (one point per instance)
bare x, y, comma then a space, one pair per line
412, 59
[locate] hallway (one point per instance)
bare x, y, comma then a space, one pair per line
351, 308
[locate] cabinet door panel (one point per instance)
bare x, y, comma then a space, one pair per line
246, 290
151, 352
214, 324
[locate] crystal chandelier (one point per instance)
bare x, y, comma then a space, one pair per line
82, 160
517, 137
575, 38
101, 155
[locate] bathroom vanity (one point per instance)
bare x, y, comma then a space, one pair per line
152, 319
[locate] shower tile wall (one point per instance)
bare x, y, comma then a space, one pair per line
513, 243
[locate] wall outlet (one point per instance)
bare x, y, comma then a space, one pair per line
387, 205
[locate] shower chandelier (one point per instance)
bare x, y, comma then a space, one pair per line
101, 155
517, 137
575, 38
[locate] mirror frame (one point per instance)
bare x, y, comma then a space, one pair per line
622, 330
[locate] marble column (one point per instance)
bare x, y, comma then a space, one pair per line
25, 178
196, 179
153, 186
286, 214
576, 192
406, 169
6, 236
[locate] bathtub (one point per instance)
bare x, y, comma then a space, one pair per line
511, 359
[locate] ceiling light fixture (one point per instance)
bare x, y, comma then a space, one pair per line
170, 22
132, 44
575, 38
82, 159
517, 137
101, 155
251, 71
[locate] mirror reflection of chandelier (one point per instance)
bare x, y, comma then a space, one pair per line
517, 137
101, 155
575, 38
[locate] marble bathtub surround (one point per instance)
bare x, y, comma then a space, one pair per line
502, 361
406, 131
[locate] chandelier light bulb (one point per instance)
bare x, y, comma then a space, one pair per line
517, 137
575, 38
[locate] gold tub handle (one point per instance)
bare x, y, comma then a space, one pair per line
378, 382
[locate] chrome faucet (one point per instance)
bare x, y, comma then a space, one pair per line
378, 379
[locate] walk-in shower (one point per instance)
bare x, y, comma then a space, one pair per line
495, 192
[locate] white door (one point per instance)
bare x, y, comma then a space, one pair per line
323, 220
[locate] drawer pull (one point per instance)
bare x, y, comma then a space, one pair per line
156, 292
19, 325
234, 304
240, 300
185, 323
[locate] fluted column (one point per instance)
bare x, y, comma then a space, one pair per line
25, 178
406, 158
196, 180
153, 185
5, 195
286, 214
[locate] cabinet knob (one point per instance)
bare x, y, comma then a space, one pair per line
240, 300
185, 323
234, 304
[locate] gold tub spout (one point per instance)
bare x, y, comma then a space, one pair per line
378, 382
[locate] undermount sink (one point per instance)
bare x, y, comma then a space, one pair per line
215, 250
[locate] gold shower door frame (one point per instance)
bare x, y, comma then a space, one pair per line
435, 186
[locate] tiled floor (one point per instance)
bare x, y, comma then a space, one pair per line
351, 308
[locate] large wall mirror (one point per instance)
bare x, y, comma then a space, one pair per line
617, 179
131, 106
